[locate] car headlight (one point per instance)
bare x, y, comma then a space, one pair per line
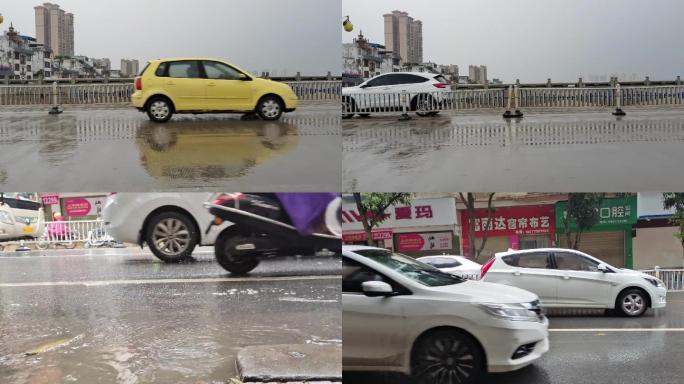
5, 218
656, 283
513, 312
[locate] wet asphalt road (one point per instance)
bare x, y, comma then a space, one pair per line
102, 318
117, 148
545, 151
594, 348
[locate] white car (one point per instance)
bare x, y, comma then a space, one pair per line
456, 265
572, 279
21, 217
171, 224
421, 92
404, 316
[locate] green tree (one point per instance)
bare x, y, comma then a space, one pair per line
469, 201
372, 208
583, 211
676, 200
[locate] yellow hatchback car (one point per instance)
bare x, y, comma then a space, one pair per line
195, 85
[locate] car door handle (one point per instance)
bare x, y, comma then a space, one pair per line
516, 273
566, 277
170, 83
212, 84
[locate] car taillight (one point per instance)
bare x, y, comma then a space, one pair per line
486, 267
225, 197
138, 83
440, 85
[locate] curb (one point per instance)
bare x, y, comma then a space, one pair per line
286, 363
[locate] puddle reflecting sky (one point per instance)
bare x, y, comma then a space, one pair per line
557, 151
120, 149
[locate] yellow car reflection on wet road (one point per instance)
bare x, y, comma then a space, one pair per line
203, 151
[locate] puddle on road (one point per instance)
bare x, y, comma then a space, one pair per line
589, 150
120, 149
140, 335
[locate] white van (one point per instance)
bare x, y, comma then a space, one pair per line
21, 216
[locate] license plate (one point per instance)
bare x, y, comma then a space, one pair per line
28, 230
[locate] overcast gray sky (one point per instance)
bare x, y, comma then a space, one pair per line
297, 35
536, 39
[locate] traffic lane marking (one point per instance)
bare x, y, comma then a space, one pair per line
617, 330
170, 281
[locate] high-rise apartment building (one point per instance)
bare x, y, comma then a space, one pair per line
129, 68
404, 36
55, 29
477, 74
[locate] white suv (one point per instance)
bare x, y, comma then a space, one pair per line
572, 279
405, 316
171, 224
422, 92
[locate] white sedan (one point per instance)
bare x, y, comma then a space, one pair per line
572, 279
456, 265
404, 316
171, 224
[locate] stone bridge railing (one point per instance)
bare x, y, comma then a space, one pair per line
113, 93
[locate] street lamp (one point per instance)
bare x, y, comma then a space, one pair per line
348, 26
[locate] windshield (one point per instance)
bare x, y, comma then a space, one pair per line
411, 268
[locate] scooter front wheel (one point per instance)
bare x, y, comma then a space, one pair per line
224, 248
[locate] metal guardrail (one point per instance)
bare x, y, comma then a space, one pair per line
672, 278
67, 234
429, 102
109, 93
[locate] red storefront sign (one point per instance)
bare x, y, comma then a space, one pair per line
50, 199
358, 236
511, 221
77, 206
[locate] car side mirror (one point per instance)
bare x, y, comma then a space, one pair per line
244, 77
363, 86
603, 268
377, 289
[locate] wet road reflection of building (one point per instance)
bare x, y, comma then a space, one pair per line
121, 150
484, 151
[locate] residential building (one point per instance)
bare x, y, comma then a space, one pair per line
404, 35
477, 74
55, 29
363, 60
82, 67
22, 58
129, 68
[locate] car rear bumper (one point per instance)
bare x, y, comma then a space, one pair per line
137, 100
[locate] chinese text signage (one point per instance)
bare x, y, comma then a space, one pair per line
613, 212
515, 220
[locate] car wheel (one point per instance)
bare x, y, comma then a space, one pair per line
632, 303
348, 108
270, 108
447, 356
423, 105
171, 236
228, 259
159, 110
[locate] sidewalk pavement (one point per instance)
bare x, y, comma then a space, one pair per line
305, 363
